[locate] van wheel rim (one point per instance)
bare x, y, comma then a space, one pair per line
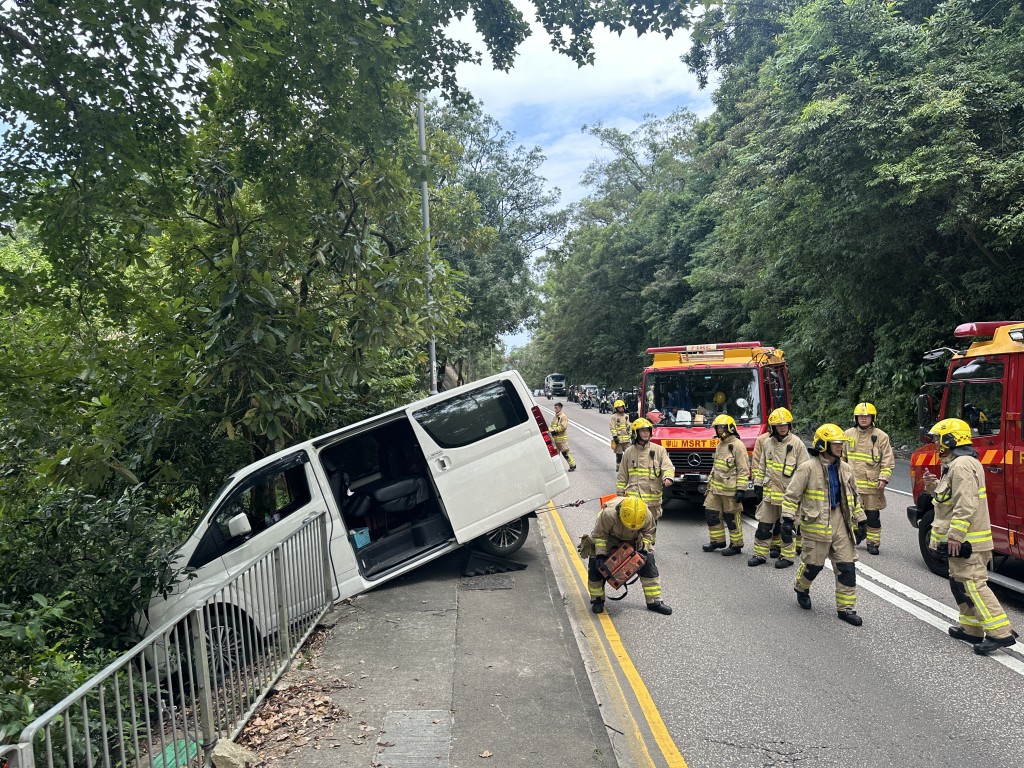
506, 535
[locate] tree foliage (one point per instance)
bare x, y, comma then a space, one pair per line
855, 195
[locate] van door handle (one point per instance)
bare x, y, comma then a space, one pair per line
443, 463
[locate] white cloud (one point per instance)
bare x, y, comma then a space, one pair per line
546, 98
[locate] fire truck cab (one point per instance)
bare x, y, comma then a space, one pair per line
984, 386
685, 387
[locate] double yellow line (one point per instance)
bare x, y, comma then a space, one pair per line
575, 577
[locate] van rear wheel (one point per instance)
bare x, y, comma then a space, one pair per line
505, 540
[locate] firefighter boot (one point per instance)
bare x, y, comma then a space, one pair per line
774, 552
597, 605
961, 634
803, 599
660, 606
755, 560
732, 549
989, 644
783, 562
850, 617
712, 546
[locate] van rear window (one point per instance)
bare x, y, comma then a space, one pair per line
474, 415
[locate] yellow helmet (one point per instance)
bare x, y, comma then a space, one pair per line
727, 421
828, 433
619, 404
641, 423
864, 409
780, 416
720, 398
632, 512
951, 433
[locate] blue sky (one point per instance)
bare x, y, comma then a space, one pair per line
546, 99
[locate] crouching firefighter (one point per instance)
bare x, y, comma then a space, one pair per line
823, 492
727, 485
625, 520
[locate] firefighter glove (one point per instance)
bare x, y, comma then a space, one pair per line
862, 531
740, 495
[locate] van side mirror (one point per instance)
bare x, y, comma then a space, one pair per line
239, 525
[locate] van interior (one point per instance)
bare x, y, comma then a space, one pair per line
387, 500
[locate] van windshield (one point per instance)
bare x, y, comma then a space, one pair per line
695, 397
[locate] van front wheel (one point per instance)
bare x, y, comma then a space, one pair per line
503, 541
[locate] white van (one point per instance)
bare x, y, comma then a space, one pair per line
400, 489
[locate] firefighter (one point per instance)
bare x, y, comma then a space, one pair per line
645, 468
782, 453
824, 493
962, 519
620, 430
631, 521
559, 435
722, 500
756, 479
871, 459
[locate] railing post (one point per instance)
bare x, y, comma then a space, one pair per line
204, 697
325, 540
281, 589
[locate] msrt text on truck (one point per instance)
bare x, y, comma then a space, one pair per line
685, 387
984, 386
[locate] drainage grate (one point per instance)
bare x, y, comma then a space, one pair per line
490, 581
418, 738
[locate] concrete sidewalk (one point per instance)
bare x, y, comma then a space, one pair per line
436, 669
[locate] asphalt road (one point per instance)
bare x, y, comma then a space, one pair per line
743, 677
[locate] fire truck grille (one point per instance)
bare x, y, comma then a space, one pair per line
692, 461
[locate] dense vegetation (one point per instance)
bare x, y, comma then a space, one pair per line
211, 247
857, 193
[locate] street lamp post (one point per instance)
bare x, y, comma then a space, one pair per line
426, 237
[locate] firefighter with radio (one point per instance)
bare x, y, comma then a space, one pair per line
726, 488
620, 429
559, 429
781, 454
645, 468
962, 531
871, 459
823, 492
625, 520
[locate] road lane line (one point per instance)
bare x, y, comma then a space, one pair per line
917, 604
673, 757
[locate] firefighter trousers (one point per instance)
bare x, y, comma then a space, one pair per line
980, 611
842, 554
769, 532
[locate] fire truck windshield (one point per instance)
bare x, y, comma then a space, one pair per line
694, 397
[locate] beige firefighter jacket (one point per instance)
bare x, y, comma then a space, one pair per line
779, 460
559, 428
619, 426
643, 470
731, 467
807, 496
756, 473
609, 530
870, 457
961, 502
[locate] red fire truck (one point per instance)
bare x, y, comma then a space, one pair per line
984, 386
685, 387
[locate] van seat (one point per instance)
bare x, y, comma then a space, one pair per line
400, 495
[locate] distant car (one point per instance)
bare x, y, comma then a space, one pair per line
538, 392
471, 464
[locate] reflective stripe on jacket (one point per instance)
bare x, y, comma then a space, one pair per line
961, 504
731, 467
779, 461
808, 495
870, 457
641, 472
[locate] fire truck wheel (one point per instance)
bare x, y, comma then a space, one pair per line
935, 564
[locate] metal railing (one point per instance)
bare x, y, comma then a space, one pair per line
199, 676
